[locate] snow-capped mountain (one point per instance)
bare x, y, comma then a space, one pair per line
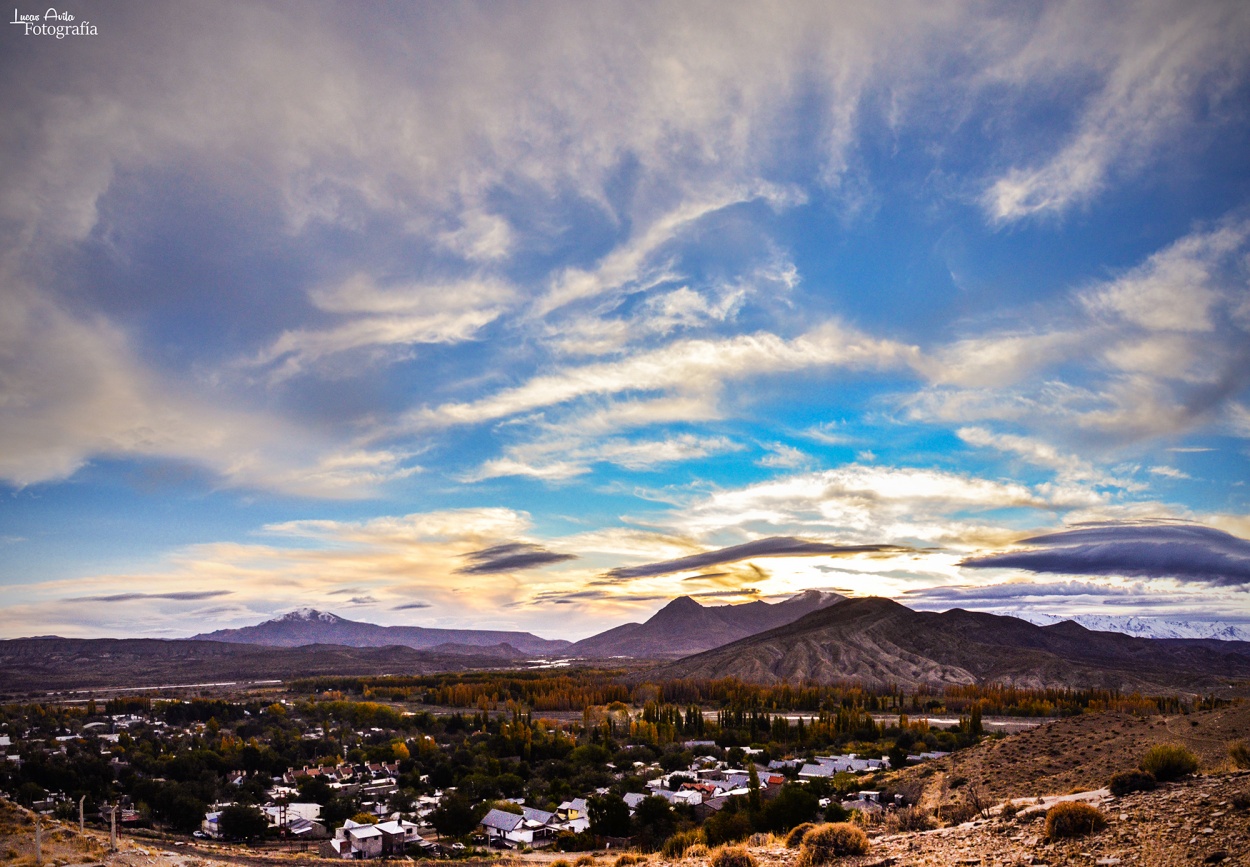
307, 615
305, 626
1142, 627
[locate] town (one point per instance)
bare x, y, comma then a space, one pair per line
377, 767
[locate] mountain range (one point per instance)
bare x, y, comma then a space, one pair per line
680, 628
1143, 627
881, 642
814, 637
309, 626
683, 627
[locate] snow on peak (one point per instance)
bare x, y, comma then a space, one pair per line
1143, 627
307, 615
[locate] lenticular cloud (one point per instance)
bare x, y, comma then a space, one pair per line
1188, 552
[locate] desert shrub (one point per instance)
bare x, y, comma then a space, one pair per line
676, 845
1130, 781
1239, 753
1241, 801
732, 856
1169, 762
1010, 809
795, 837
625, 860
832, 840
559, 862
956, 812
585, 861
1073, 819
698, 850
911, 819
759, 840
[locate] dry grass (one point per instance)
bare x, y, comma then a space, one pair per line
795, 838
732, 856
1073, 819
824, 843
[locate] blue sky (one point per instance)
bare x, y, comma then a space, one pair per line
471, 314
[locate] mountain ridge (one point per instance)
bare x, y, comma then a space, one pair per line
683, 626
305, 626
880, 642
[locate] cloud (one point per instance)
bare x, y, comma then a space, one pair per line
684, 367
1184, 552
1158, 351
776, 546
179, 596
1155, 77
408, 606
510, 558
393, 316
564, 457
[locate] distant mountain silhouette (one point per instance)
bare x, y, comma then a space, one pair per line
310, 626
880, 642
683, 626
41, 664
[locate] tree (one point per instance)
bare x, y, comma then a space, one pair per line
654, 822
753, 785
185, 812
793, 806
609, 815
454, 816
242, 823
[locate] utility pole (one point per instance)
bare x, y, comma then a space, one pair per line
38, 840
113, 827
81, 801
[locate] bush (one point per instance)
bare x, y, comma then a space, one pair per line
732, 856
585, 861
1169, 762
560, 862
698, 850
795, 838
1239, 752
832, 840
912, 819
1073, 819
1130, 781
676, 845
626, 861
957, 812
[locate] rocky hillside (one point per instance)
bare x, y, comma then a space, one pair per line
880, 642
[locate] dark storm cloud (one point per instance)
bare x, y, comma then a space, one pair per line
1188, 552
510, 557
773, 546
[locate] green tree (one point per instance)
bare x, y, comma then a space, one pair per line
609, 815
793, 806
654, 822
242, 823
455, 816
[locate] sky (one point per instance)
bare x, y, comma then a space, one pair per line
537, 315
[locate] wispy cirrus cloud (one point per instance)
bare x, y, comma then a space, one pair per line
1165, 63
